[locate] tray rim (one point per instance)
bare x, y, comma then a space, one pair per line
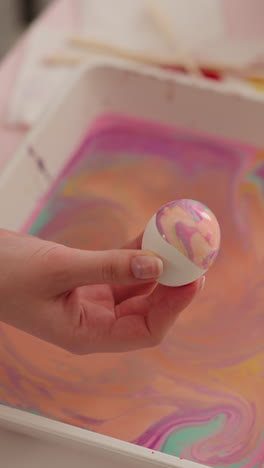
225, 88
49, 430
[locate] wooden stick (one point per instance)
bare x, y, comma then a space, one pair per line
163, 26
106, 49
64, 59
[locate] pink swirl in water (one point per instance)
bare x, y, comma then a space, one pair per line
192, 228
200, 394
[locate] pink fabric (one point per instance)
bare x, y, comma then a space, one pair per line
64, 13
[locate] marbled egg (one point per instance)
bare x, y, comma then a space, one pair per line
186, 235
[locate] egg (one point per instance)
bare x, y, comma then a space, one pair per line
185, 234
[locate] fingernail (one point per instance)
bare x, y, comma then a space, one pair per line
201, 285
146, 267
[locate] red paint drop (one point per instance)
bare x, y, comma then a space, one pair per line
211, 74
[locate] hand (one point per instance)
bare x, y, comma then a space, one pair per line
85, 301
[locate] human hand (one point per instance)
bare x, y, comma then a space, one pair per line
86, 301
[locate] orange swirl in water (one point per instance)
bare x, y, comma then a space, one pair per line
200, 394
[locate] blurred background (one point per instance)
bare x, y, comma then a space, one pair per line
221, 40
15, 15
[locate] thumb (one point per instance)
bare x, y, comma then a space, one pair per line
79, 267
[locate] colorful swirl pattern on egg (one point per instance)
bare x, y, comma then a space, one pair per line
192, 228
200, 394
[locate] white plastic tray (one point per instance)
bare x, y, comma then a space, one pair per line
121, 87
27, 440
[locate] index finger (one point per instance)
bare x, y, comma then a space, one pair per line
142, 322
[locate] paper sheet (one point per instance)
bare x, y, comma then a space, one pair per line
240, 53
36, 85
129, 24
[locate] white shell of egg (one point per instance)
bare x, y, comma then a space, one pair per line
185, 234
